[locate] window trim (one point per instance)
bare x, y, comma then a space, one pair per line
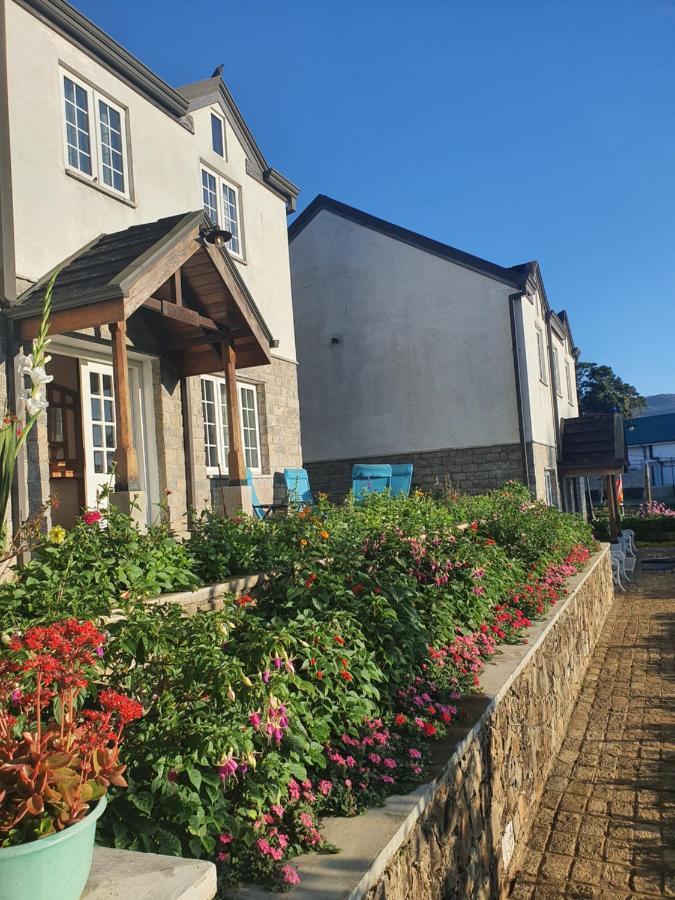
556, 370
568, 379
94, 95
548, 487
541, 355
221, 180
219, 118
214, 471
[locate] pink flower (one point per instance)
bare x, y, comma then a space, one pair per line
375, 758
266, 676
228, 768
223, 856
225, 837
387, 779
390, 763
283, 841
277, 809
348, 783
306, 820
325, 787
278, 662
290, 875
414, 754
91, 517
255, 720
351, 762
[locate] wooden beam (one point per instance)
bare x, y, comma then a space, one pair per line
216, 337
180, 313
612, 507
126, 463
177, 287
89, 316
235, 455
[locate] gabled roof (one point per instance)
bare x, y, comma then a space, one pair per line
81, 31
214, 91
515, 276
651, 429
592, 445
116, 274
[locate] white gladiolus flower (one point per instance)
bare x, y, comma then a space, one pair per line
25, 364
39, 376
36, 405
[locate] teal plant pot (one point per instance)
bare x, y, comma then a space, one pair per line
51, 868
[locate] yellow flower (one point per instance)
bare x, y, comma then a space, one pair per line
324, 535
303, 542
57, 534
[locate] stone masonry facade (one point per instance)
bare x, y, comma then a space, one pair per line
471, 469
469, 840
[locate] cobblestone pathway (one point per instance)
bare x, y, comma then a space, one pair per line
606, 825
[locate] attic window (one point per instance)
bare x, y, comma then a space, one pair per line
217, 135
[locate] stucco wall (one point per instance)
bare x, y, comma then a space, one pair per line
165, 165
424, 357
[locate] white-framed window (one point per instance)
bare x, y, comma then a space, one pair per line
214, 410
540, 353
95, 133
556, 372
568, 380
218, 134
222, 202
548, 487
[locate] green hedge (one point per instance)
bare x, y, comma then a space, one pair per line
653, 530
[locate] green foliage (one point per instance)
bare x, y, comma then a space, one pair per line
600, 390
97, 570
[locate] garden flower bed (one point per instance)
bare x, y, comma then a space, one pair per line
319, 692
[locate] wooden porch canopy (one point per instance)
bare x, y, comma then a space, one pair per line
202, 313
594, 445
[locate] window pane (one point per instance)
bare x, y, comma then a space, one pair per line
250, 427
98, 462
231, 217
95, 409
209, 196
77, 126
110, 436
217, 135
223, 417
209, 414
112, 165
109, 415
97, 435
107, 385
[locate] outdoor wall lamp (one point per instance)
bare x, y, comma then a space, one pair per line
217, 236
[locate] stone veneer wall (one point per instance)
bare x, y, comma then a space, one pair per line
470, 835
471, 469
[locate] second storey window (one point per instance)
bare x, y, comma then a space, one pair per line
217, 136
95, 134
556, 372
568, 379
214, 410
222, 203
540, 354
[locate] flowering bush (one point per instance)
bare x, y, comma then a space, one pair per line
647, 510
55, 757
322, 692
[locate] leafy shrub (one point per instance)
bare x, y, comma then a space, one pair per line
103, 563
321, 692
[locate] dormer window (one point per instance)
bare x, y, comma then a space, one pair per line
217, 135
95, 135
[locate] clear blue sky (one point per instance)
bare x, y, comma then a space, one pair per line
517, 130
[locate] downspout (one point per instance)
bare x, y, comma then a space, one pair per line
519, 389
555, 375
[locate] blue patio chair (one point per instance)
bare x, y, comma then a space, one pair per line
401, 479
370, 479
297, 485
261, 510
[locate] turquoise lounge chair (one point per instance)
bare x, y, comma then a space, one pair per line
401, 479
261, 510
297, 485
370, 479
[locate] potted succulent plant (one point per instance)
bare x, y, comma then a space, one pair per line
59, 752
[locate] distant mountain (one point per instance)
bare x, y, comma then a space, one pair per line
659, 403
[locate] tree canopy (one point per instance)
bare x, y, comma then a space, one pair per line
600, 390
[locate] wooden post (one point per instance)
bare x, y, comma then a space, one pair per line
235, 455
126, 464
648, 483
177, 288
612, 508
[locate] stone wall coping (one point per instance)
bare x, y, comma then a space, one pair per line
208, 597
127, 874
369, 842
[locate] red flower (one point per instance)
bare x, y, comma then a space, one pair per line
339, 640
474, 526
358, 589
400, 719
490, 541
127, 709
347, 676
428, 729
91, 517
244, 600
319, 674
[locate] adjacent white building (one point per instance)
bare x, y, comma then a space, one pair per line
92, 144
413, 351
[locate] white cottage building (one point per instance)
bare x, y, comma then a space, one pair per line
413, 351
173, 357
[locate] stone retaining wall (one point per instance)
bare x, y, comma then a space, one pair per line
461, 834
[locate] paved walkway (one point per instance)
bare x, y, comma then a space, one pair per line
606, 825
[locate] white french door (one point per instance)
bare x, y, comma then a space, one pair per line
99, 428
